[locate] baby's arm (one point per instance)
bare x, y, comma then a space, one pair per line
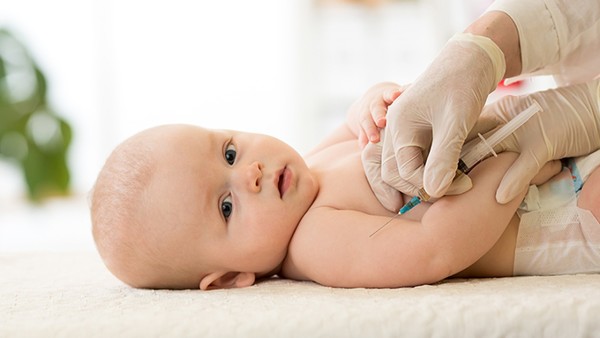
453, 234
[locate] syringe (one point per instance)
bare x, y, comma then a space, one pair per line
471, 155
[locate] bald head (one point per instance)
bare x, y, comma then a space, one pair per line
117, 204
135, 227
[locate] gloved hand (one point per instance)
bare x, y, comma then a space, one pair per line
568, 126
383, 182
366, 115
437, 112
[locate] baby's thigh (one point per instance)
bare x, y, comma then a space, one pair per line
589, 198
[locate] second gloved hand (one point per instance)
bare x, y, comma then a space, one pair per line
568, 126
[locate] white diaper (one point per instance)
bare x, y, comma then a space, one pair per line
555, 236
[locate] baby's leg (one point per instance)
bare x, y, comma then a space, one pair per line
559, 236
589, 197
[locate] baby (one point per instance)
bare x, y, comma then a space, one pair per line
180, 206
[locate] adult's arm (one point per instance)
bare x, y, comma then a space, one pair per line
435, 114
500, 28
556, 37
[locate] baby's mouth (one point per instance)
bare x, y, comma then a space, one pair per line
283, 181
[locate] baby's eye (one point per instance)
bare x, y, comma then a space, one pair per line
227, 207
230, 154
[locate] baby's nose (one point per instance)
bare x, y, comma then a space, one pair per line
250, 176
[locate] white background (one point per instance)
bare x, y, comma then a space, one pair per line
285, 68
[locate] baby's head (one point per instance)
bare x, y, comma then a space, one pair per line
180, 206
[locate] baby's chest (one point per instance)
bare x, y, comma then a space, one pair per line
343, 184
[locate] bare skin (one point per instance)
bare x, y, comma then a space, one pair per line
224, 208
332, 246
499, 27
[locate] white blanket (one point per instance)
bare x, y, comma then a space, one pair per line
73, 295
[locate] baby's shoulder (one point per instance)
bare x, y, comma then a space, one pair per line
306, 245
325, 241
314, 250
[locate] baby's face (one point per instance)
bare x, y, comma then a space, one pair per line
232, 199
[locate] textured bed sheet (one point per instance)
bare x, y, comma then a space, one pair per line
73, 295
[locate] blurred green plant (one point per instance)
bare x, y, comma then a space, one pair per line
32, 135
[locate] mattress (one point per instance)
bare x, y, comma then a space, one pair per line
71, 294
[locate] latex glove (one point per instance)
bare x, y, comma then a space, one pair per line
384, 180
437, 112
366, 115
386, 193
568, 126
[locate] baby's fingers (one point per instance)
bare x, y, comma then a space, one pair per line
378, 111
389, 96
363, 140
371, 130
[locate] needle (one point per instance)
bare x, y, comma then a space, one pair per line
384, 224
471, 156
423, 196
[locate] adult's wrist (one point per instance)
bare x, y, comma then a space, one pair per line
489, 47
500, 28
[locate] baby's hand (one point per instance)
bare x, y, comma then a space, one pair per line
366, 116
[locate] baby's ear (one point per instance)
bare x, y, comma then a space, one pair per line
227, 280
